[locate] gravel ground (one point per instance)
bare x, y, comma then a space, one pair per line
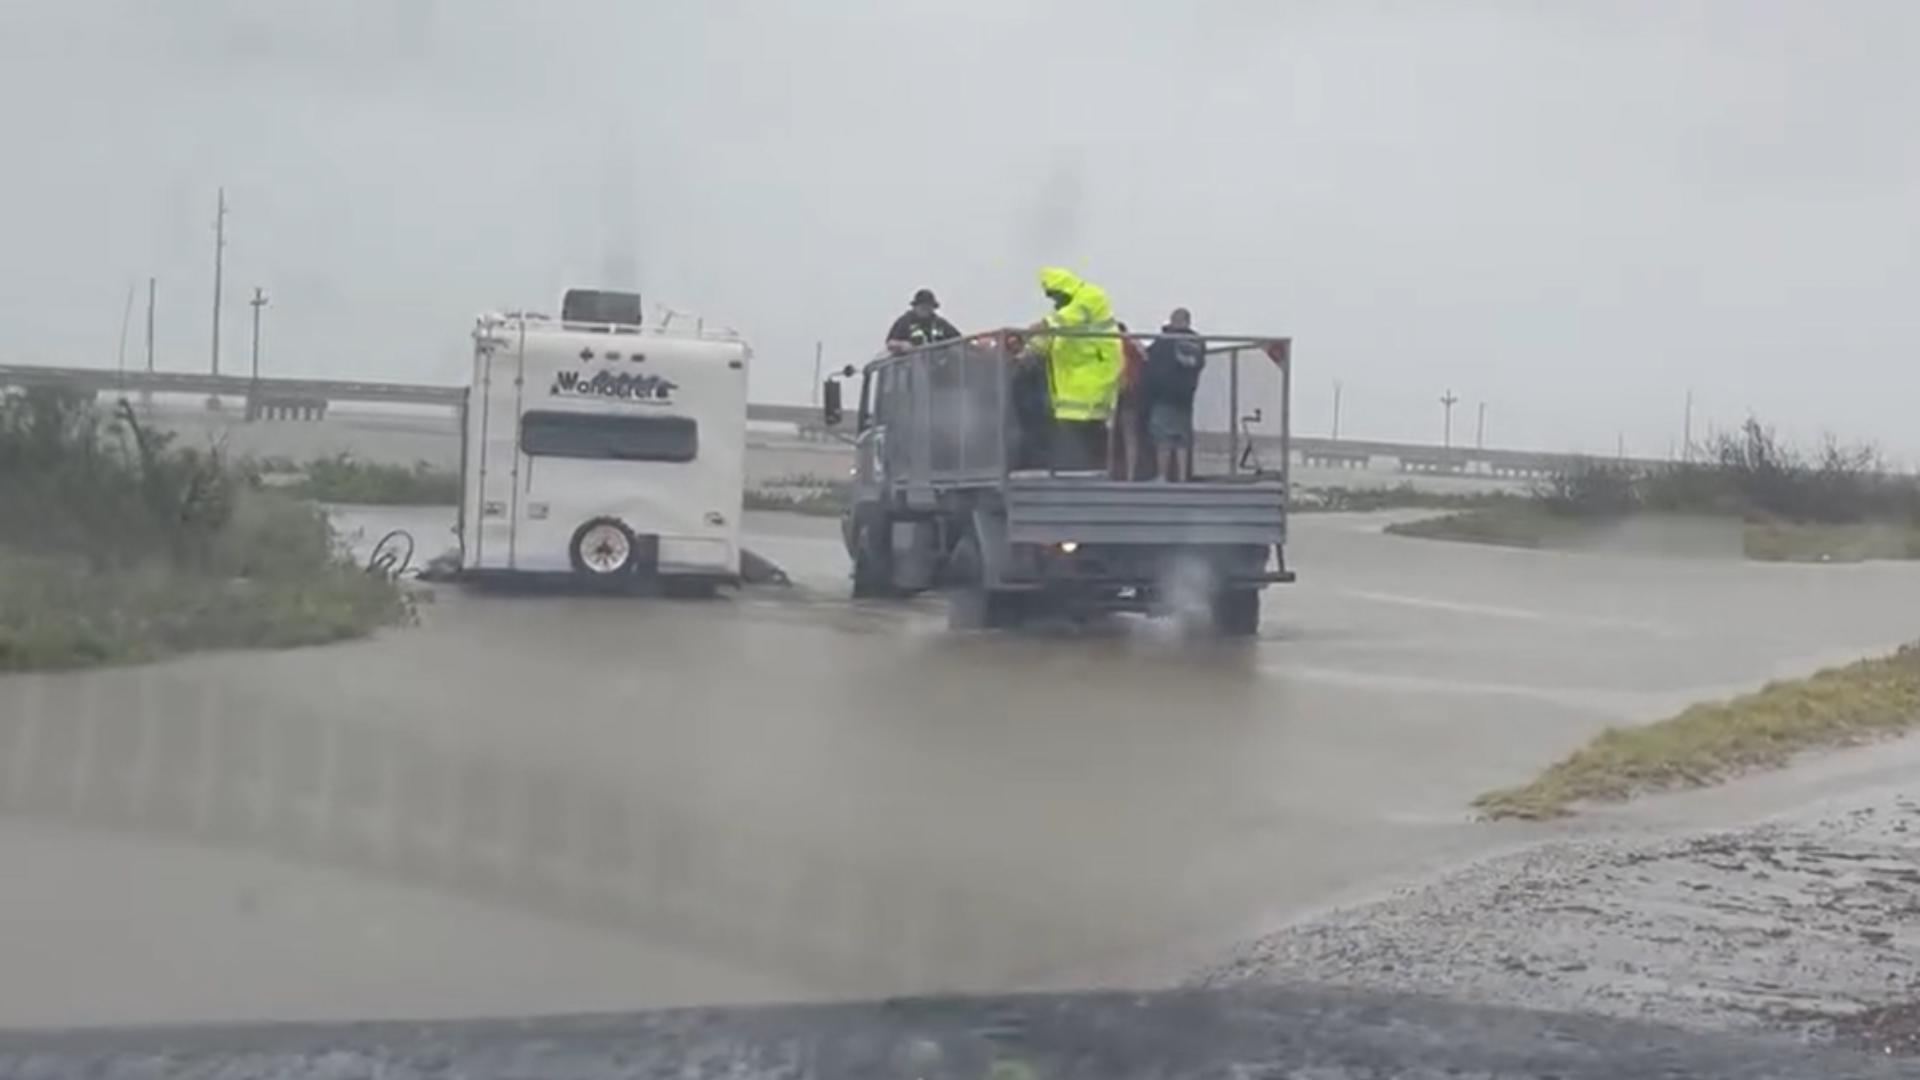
1244, 1032
1808, 925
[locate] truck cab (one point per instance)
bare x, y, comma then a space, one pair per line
938, 502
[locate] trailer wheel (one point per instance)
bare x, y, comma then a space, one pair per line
602, 548
1236, 612
970, 604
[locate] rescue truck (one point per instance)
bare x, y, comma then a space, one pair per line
942, 498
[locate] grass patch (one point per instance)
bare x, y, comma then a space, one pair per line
59, 613
1789, 541
815, 503
1518, 523
346, 479
1839, 504
116, 546
800, 494
1525, 524
1338, 499
1708, 743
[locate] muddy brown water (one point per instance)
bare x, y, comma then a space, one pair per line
544, 804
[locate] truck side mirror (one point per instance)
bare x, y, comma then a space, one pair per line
830, 408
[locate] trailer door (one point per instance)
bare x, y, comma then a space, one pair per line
497, 456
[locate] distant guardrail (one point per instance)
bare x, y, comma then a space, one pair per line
1408, 457
102, 380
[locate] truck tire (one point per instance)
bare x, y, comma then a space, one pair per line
870, 545
973, 606
1236, 613
602, 548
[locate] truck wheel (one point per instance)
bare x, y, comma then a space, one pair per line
1236, 612
974, 608
872, 546
970, 604
601, 548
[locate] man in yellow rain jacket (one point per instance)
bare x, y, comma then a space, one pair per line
1083, 373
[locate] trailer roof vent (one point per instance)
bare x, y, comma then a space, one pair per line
599, 306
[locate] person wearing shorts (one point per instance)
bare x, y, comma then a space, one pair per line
1126, 457
1168, 381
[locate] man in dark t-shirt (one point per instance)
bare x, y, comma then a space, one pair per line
1167, 384
921, 325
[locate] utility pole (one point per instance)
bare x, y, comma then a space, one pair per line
1620, 445
1336, 410
1448, 401
259, 301
126, 319
818, 349
146, 395
152, 285
1686, 430
219, 266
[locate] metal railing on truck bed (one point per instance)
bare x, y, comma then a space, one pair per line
952, 421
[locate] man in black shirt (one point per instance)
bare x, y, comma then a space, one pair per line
1167, 383
921, 325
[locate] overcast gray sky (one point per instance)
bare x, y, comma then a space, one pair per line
1570, 211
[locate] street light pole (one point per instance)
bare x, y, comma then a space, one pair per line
1480, 429
253, 391
1447, 402
219, 267
259, 301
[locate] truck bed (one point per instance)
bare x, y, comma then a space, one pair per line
1091, 510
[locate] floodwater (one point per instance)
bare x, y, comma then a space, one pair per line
545, 804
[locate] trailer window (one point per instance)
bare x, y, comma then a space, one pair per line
623, 438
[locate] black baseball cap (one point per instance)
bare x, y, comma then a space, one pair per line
925, 296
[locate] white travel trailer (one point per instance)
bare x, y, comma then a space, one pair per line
602, 448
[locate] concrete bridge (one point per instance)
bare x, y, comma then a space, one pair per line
284, 399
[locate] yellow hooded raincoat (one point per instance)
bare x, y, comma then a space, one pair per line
1083, 373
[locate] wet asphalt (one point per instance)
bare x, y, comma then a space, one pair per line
551, 804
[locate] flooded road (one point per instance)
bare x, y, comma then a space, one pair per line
539, 804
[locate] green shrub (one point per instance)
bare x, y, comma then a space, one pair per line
1591, 489
1749, 473
115, 545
